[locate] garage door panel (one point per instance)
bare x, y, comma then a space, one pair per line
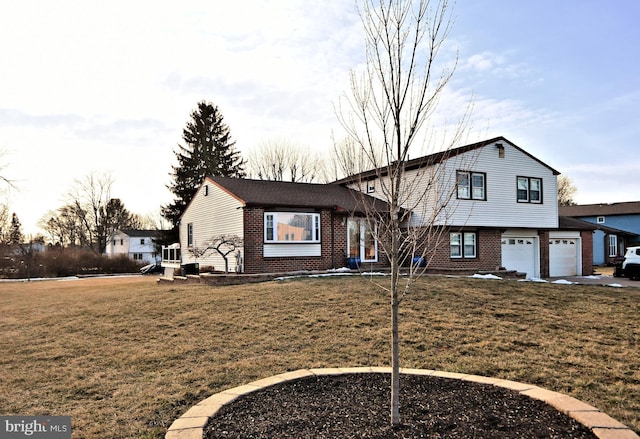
563, 257
519, 253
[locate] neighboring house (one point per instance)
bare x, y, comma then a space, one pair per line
617, 226
503, 213
138, 245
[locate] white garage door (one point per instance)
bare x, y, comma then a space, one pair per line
563, 257
520, 254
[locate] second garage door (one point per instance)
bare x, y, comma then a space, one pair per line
563, 256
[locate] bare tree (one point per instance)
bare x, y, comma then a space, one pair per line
281, 160
566, 191
386, 116
224, 245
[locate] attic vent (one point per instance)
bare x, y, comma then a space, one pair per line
500, 148
206, 190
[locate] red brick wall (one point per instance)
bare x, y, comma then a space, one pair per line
333, 235
489, 252
587, 252
544, 253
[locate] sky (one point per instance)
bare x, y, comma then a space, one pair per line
107, 87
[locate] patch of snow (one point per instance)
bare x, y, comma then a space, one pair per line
485, 276
339, 270
563, 282
615, 285
592, 277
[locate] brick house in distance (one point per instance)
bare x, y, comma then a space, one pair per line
503, 212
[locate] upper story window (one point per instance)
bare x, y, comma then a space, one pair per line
529, 190
371, 186
472, 185
291, 227
141, 241
600, 220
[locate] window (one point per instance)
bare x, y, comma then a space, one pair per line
141, 241
114, 242
613, 245
122, 242
463, 245
137, 256
600, 220
371, 186
529, 190
362, 241
190, 235
206, 190
471, 185
291, 227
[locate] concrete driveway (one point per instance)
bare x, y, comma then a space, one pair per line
602, 276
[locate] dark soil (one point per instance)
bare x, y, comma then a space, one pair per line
357, 406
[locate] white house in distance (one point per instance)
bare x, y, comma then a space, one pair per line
138, 245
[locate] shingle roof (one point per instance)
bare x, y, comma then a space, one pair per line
569, 223
626, 208
141, 233
265, 193
440, 157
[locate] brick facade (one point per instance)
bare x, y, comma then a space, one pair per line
333, 245
334, 248
489, 252
543, 236
586, 237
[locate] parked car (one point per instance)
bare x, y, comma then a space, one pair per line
151, 269
631, 263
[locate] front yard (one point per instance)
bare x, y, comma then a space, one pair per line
124, 356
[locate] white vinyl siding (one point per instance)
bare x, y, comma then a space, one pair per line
216, 213
292, 250
501, 208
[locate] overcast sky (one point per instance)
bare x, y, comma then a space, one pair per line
97, 86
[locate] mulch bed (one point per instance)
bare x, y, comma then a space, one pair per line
357, 406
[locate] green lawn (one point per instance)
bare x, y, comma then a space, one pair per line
125, 356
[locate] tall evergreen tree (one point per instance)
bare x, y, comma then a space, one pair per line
207, 150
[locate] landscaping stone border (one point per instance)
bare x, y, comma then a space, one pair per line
192, 423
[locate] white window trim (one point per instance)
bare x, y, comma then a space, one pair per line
463, 254
190, 235
316, 231
613, 245
600, 220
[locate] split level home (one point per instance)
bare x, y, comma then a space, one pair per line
617, 226
138, 245
496, 202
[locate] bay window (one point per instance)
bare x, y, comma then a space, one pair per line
291, 227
